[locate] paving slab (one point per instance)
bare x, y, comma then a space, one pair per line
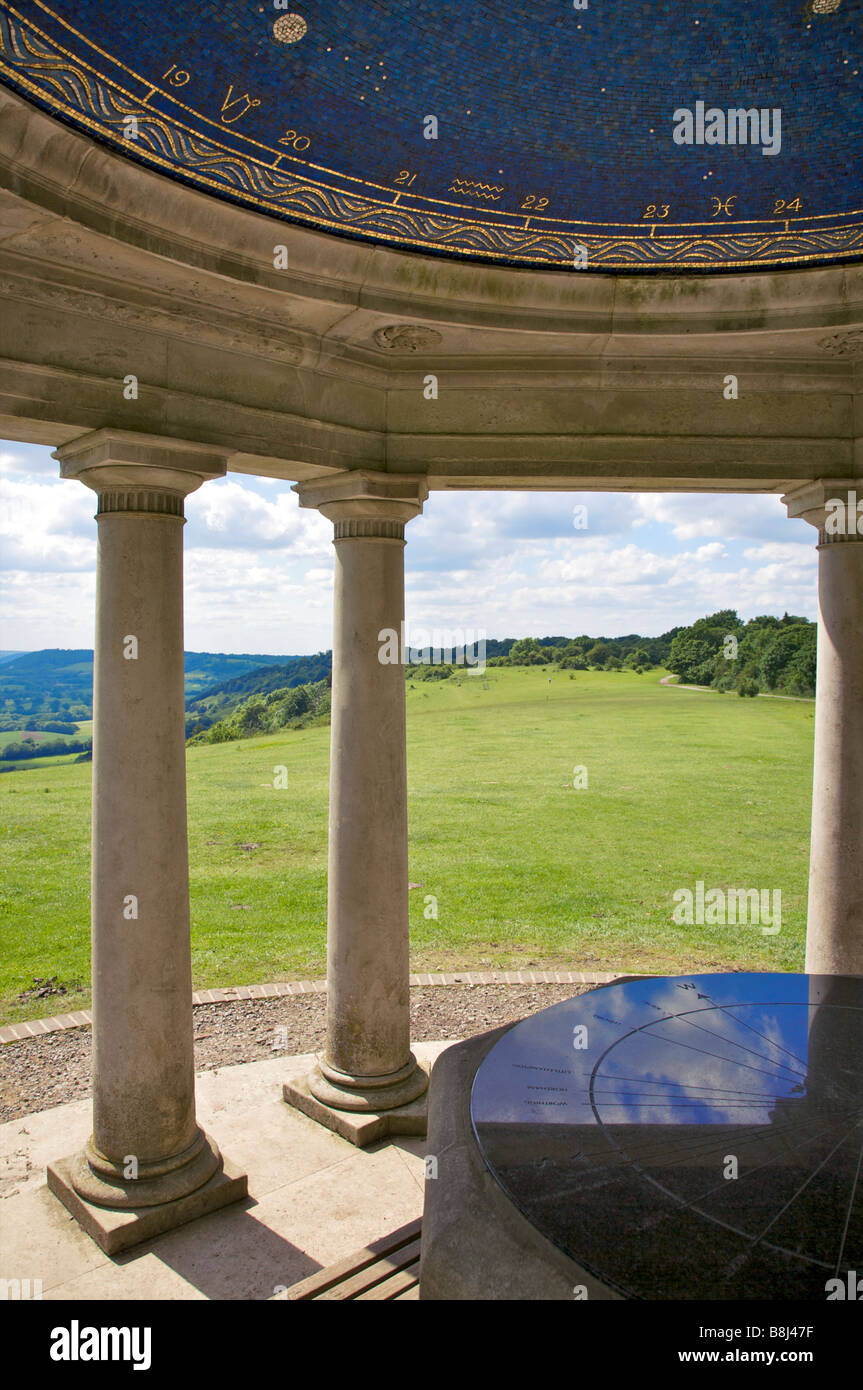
313, 1198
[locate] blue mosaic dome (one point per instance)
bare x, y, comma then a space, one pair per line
610, 135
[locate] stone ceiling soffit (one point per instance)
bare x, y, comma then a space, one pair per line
140, 209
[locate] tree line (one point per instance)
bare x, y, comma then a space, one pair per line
763, 656
293, 707
21, 749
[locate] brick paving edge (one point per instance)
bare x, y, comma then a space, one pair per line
82, 1018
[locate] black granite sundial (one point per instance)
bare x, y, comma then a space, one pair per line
688, 1138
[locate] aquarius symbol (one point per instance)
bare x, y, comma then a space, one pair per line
472, 189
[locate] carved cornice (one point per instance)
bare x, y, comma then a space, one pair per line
220, 329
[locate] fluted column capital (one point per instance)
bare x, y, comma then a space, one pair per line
834, 506
139, 473
365, 505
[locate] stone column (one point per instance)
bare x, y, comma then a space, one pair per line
368, 1066
834, 944
148, 1165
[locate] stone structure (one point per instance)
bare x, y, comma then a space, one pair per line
835, 926
584, 1152
148, 335
148, 1165
368, 1066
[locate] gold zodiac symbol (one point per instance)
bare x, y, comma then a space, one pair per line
726, 207
237, 101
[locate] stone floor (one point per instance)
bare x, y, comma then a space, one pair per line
313, 1198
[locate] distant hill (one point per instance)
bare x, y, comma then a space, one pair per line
46, 696
45, 690
205, 671
57, 683
222, 699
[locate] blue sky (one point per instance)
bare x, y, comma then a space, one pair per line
259, 568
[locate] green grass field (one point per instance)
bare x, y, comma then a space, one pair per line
526, 870
84, 730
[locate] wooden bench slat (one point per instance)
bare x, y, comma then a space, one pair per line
408, 1278
324, 1279
372, 1274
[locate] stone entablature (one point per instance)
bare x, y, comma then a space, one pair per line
542, 380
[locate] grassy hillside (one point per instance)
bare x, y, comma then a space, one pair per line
526, 870
40, 689
221, 700
57, 683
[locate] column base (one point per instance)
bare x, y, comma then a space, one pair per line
362, 1126
121, 1225
103, 1182
367, 1094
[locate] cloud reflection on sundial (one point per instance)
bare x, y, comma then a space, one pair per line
688, 1138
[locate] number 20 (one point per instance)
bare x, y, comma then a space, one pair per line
297, 142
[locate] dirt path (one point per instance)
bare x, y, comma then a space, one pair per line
674, 685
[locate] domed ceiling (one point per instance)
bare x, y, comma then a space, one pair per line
610, 135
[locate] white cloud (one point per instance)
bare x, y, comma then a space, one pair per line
45, 610
228, 514
729, 515
46, 526
27, 458
259, 567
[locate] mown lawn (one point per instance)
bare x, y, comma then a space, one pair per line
521, 867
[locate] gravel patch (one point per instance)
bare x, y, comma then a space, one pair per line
42, 1072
